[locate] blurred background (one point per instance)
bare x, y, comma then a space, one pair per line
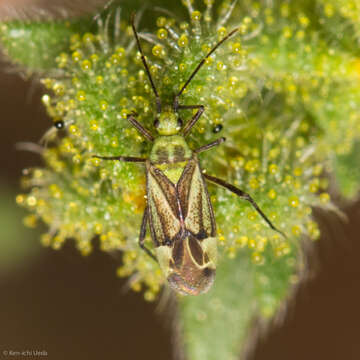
75, 308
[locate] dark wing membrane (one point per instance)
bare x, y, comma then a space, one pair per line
162, 204
195, 202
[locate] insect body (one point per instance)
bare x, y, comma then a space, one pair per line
178, 208
180, 215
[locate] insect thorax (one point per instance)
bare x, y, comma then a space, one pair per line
170, 154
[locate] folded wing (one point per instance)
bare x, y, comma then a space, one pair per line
195, 202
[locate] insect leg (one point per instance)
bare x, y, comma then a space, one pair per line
209, 146
121, 158
194, 119
139, 127
245, 196
143, 235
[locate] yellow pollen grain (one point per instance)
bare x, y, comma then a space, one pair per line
251, 243
183, 40
31, 201
287, 32
209, 61
103, 105
149, 296
94, 58
161, 21
329, 10
158, 51
120, 51
304, 21
30, 221
94, 126
86, 65
46, 99
196, 15
76, 159
242, 241
88, 37
59, 89
62, 60
300, 34
98, 228
297, 171
273, 169
115, 59
272, 194
103, 174
222, 32
162, 34
232, 80
257, 258
55, 191
80, 95
221, 238
317, 169
254, 183
236, 48
182, 67
76, 56
74, 130
20, 199
45, 239
296, 230
314, 186
114, 142
284, 10
251, 215
220, 66
294, 201
324, 198
252, 165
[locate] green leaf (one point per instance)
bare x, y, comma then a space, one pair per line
347, 171
36, 44
216, 324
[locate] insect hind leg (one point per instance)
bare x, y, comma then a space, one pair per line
245, 196
143, 235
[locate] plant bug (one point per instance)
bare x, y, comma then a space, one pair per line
178, 208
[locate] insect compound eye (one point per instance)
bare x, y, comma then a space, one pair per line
217, 128
179, 123
156, 123
59, 124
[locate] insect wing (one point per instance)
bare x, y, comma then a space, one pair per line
163, 207
195, 202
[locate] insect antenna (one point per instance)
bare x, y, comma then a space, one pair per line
158, 101
198, 67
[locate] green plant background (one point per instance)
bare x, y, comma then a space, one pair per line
285, 91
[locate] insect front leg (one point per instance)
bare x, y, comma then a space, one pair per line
143, 235
194, 119
139, 127
210, 145
121, 158
245, 196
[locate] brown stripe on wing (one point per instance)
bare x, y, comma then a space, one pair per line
164, 222
184, 184
195, 202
